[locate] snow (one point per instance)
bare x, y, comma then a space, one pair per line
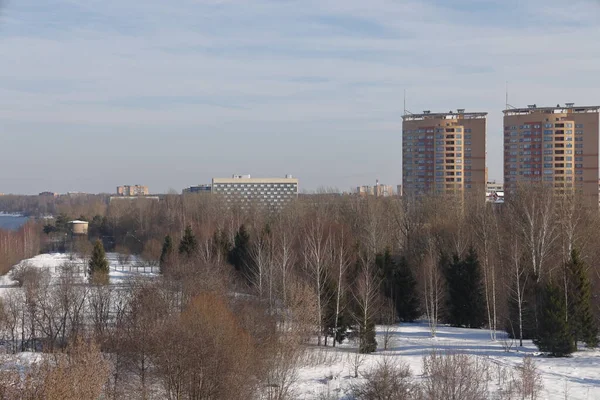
578, 376
330, 370
121, 270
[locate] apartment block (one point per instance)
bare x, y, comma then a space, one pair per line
379, 190
245, 190
136, 190
554, 145
444, 153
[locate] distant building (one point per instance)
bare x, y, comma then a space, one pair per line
378, 190
198, 189
492, 186
141, 198
399, 190
48, 194
557, 146
245, 190
444, 153
136, 190
494, 192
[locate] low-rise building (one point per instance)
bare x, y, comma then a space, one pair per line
198, 189
494, 192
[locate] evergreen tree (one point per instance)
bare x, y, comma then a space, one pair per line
400, 285
98, 268
406, 296
466, 300
580, 316
188, 245
554, 334
221, 244
239, 256
367, 341
166, 253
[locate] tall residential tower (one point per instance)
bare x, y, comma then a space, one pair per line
444, 153
554, 145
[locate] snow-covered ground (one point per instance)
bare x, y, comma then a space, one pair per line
121, 268
332, 371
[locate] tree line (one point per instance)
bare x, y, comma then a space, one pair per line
323, 269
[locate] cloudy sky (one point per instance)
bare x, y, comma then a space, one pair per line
96, 93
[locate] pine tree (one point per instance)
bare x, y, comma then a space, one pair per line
554, 334
466, 300
188, 245
98, 268
166, 253
580, 317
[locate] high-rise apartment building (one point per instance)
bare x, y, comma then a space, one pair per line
444, 153
245, 190
554, 145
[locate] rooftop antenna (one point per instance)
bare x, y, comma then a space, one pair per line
508, 106
406, 112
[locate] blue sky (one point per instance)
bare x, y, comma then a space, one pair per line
97, 93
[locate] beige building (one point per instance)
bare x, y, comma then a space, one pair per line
136, 190
444, 153
554, 145
378, 190
245, 190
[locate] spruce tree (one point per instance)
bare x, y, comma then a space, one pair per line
367, 341
399, 285
98, 268
166, 253
581, 317
239, 256
188, 245
554, 334
466, 300
407, 299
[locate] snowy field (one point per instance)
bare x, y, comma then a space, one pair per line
574, 378
122, 268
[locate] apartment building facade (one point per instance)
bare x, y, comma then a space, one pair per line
444, 153
136, 190
244, 190
554, 145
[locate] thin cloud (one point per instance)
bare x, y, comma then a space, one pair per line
278, 72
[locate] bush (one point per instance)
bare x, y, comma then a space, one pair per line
454, 376
389, 380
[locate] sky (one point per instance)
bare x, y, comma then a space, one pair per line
100, 93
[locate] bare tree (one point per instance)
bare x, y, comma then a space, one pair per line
317, 263
533, 213
342, 261
432, 285
367, 299
517, 282
485, 226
